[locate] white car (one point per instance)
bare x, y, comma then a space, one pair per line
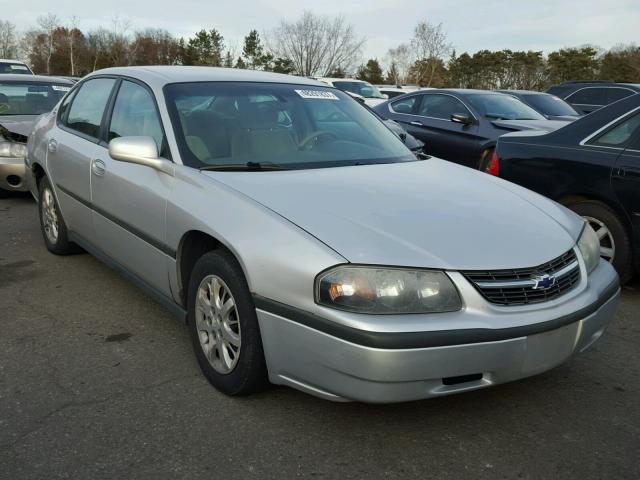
14, 66
368, 92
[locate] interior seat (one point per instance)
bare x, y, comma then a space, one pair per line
261, 134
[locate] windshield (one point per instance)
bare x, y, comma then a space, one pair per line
29, 98
277, 125
549, 104
16, 68
496, 106
364, 89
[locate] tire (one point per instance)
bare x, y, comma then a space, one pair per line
600, 215
485, 158
49, 211
232, 369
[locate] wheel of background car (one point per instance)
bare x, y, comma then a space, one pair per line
54, 230
485, 158
615, 244
224, 326
306, 143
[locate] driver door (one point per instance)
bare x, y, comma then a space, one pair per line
130, 200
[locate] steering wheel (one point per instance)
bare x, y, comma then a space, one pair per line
306, 143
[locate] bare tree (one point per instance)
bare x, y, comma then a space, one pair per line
72, 30
48, 23
430, 48
316, 44
8, 40
401, 57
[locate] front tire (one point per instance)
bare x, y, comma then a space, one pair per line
224, 326
615, 244
54, 230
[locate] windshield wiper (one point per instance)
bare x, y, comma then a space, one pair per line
248, 166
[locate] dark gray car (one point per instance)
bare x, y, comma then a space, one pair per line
552, 107
462, 125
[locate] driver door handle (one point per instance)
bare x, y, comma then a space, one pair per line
52, 145
98, 167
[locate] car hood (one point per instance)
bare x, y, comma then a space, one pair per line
429, 213
548, 125
18, 124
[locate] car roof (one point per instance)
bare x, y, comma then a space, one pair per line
598, 83
14, 77
158, 76
463, 91
523, 92
8, 60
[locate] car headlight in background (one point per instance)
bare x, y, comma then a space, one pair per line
386, 290
589, 245
12, 149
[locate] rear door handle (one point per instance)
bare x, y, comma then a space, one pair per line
416, 123
53, 145
628, 170
98, 167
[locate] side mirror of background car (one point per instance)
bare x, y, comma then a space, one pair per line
461, 118
139, 150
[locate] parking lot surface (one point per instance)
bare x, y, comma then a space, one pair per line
99, 381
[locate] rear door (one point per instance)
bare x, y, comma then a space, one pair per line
130, 200
71, 147
443, 137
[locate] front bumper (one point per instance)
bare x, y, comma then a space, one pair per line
12, 175
340, 367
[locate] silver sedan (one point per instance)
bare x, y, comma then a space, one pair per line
305, 245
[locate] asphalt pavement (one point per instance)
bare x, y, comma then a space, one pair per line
97, 381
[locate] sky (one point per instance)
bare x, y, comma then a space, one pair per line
471, 25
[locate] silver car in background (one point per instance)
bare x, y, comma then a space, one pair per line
23, 98
305, 245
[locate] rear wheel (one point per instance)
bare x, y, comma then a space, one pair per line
615, 244
224, 326
54, 230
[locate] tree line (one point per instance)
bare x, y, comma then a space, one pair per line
312, 45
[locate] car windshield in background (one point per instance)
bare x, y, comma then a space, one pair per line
15, 68
259, 125
550, 104
496, 106
29, 98
363, 89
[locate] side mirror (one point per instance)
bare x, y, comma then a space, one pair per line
461, 118
139, 150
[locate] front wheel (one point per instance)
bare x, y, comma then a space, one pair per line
615, 244
224, 326
54, 230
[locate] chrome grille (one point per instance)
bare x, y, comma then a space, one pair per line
521, 286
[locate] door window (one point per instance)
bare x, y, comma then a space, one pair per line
441, 106
620, 135
87, 107
405, 105
135, 115
588, 96
615, 94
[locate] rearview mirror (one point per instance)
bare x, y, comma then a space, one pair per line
139, 150
461, 118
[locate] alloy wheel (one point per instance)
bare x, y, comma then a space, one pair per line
49, 216
218, 324
607, 244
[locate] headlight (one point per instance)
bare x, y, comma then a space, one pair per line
386, 290
589, 245
14, 150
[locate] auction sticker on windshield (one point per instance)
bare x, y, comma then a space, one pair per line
317, 94
18, 67
60, 88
